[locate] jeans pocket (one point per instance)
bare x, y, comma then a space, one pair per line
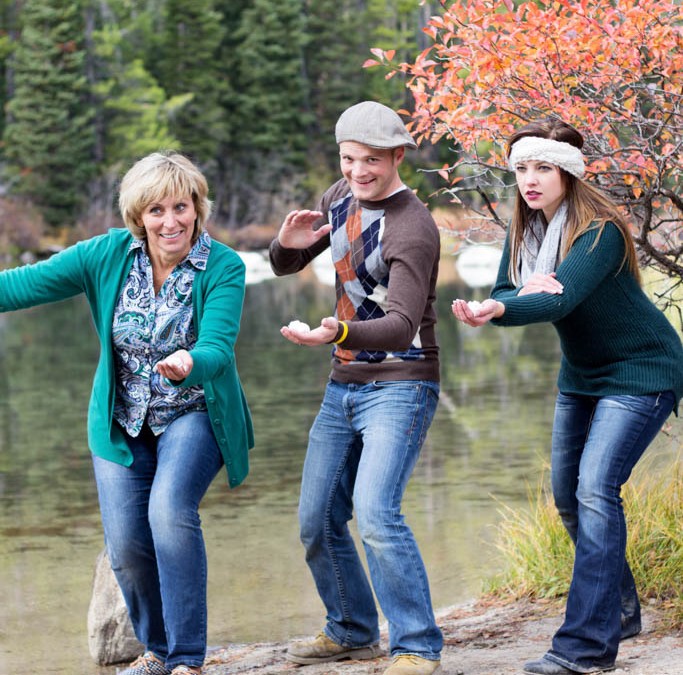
429, 385
646, 404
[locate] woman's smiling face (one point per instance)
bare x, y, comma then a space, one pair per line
169, 224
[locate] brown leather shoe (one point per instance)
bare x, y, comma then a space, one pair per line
410, 664
321, 649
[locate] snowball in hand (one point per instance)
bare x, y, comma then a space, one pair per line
475, 307
299, 326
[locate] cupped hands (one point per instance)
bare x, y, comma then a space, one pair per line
477, 313
176, 366
323, 334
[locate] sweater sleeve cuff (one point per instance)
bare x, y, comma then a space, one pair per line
341, 335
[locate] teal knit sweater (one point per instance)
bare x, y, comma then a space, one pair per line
614, 340
98, 267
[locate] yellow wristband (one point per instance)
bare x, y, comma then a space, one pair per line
345, 332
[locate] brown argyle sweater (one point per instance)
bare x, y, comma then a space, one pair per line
386, 256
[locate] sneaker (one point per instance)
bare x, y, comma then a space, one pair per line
186, 670
146, 664
321, 649
410, 664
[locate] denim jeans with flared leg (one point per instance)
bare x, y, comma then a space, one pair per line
596, 444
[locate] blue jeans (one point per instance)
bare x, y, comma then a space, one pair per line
153, 534
596, 444
362, 449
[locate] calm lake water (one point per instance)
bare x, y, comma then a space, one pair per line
487, 446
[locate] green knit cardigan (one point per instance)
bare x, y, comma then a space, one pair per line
99, 267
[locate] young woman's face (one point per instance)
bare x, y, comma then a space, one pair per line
541, 186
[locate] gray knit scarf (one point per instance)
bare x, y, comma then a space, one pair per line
541, 251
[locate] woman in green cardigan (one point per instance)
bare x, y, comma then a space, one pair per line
569, 259
167, 409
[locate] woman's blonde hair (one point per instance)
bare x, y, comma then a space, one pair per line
587, 206
156, 177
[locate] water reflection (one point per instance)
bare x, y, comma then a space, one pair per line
488, 441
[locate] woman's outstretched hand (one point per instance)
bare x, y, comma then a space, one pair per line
176, 366
297, 229
477, 313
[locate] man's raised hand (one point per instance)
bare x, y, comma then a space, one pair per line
297, 229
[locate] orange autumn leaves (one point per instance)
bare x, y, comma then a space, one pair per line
612, 67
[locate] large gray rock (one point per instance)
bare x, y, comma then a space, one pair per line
110, 632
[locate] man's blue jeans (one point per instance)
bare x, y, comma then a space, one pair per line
153, 534
362, 449
596, 444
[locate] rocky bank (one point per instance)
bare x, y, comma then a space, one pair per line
480, 639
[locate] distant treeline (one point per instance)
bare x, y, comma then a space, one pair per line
250, 89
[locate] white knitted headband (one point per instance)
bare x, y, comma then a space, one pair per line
559, 153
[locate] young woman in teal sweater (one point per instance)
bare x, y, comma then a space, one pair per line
569, 259
167, 409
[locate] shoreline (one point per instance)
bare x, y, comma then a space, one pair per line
480, 638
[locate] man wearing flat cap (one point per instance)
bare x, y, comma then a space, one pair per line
379, 401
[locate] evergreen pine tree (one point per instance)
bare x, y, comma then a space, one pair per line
228, 58
270, 110
230, 161
334, 55
272, 90
6, 21
189, 64
135, 111
49, 135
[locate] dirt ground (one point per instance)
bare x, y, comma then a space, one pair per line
480, 639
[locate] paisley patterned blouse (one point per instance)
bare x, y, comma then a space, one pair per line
146, 329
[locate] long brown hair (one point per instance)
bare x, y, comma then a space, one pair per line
587, 206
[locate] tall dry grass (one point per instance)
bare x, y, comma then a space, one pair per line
539, 554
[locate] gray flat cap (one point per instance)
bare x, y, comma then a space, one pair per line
373, 124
